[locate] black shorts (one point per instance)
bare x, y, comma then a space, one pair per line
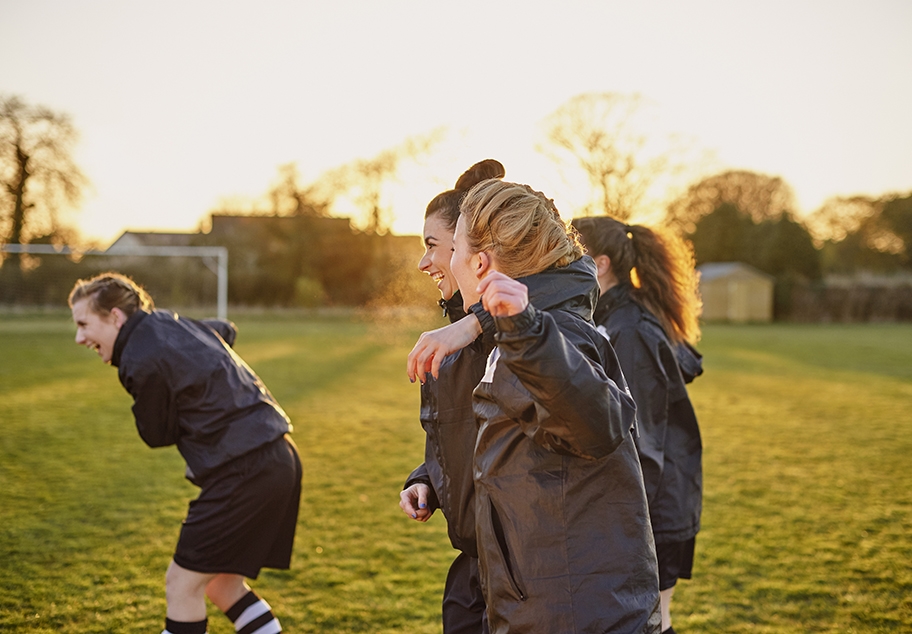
463, 602
675, 562
245, 516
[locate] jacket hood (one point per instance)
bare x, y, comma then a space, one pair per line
612, 299
572, 287
689, 359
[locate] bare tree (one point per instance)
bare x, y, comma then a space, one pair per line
286, 196
38, 174
757, 196
289, 198
605, 135
362, 182
364, 179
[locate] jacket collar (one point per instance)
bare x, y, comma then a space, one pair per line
616, 298
125, 331
572, 287
611, 300
453, 307
689, 360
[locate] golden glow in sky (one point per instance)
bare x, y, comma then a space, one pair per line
183, 104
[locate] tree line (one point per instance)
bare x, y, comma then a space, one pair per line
300, 257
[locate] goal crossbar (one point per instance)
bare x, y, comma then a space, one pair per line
220, 253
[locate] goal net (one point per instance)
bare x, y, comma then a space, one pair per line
192, 280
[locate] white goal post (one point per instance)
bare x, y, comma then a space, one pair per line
219, 253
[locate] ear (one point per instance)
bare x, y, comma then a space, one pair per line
120, 318
602, 264
481, 264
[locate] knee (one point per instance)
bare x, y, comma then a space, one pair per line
181, 584
224, 590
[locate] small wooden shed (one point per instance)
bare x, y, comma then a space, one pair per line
736, 292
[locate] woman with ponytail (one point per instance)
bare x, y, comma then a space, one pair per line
649, 307
562, 525
444, 479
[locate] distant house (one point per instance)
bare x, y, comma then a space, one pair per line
279, 260
129, 239
235, 226
123, 260
736, 292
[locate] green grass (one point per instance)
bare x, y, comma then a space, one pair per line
807, 523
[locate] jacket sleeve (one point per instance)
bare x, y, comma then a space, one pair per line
488, 329
225, 329
689, 361
576, 409
420, 476
154, 405
649, 384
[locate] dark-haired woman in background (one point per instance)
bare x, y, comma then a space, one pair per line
649, 308
444, 480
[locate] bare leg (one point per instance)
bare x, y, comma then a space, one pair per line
665, 598
224, 590
185, 591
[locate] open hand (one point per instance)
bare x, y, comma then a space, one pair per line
434, 345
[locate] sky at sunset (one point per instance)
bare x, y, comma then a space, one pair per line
181, 105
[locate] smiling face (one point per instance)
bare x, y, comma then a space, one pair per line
97, 332
438, 248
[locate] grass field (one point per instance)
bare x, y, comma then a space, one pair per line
807, 523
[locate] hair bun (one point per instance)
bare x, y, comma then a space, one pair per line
481, 171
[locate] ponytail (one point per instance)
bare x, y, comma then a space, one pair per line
658, 265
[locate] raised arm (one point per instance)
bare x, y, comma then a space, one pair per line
577, 409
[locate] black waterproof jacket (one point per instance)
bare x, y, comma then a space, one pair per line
448, 421
669, 442
565, 544
189, 388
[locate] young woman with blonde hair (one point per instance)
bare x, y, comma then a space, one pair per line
561, 518
649, 307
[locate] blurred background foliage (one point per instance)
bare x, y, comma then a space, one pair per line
849, 260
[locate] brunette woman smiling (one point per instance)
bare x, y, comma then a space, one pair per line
444, 480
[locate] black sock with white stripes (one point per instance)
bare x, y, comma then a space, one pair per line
252, 615
185, 627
